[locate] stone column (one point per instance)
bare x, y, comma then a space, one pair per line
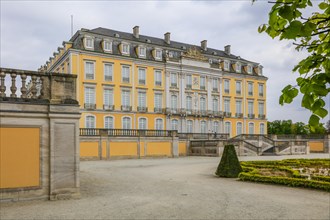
175, 144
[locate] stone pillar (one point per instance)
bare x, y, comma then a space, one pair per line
167, 90
209, 94
175, 144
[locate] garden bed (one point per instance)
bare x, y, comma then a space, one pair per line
309, 173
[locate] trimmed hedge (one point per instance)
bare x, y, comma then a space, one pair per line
229, 165
295, 182
251, 173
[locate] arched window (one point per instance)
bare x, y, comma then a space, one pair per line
203, 127
127, 123
239, 128
227, 127
174, 102
251, 128
174, 124
262, 128
142, 123
189, 126
202, 104
90, 121
216, 126
159, 124
108, 122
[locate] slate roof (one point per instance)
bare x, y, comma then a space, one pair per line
159, 42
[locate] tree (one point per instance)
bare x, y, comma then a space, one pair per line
229, 165
327, 127
288, 21
287, 127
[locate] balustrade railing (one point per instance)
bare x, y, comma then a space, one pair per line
32, 85
125, 132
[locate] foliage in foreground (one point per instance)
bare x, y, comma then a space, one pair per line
310, 31
251, 173
229, 165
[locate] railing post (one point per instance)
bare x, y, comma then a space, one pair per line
23, 88
13, 87
2, 85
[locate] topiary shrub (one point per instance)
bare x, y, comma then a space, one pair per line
229, 165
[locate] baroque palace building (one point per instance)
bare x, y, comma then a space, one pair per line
132, 81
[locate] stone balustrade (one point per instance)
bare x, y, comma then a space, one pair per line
24, 85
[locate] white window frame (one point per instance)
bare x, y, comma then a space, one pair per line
215, 84
250, 107
216, 126
215, 104
261, 90
261, 108
125, 97
250, 88
174, 80
203, 126
249, 128
125, 45
157, 127
142, 99
105, 122
176, 127
225, 127
226, 86
105, 73
241, 128
174, 101
202, 82
262, 128
86, 63
226, 65
249, 69
105, 48
226, 106
238, 105
158, 54
89, 39
111, 101
238, 87
130, 122
124, 74
142, 51
142, 73
202, 103
86, 122
189, 81
146, 123
190, 128
158, 77
238, 67
91, 98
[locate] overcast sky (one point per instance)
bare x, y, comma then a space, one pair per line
32, 30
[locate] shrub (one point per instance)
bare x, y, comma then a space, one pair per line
229, 165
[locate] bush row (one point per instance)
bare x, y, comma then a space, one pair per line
321, 178
295, 182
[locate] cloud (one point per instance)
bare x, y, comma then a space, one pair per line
32, 30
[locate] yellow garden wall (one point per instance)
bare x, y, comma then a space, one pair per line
159, 148
316, 146
123, 149
89, 149
19, 157
182, 149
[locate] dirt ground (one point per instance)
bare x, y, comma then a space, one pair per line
173, 188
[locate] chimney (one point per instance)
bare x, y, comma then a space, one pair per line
167, 37
227, 49
204, 45
136, 31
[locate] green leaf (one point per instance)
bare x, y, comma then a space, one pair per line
314, 120
323, 5
293, 30
321, 112
262, 28
286, 12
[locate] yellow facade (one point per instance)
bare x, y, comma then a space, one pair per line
159, 149
19, 157
73, 56
128, 149
89, 149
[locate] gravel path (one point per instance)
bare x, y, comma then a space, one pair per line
173, 188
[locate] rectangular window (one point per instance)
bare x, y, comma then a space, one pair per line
250, 89
89, 70
189, 81
227, 105
108, 72
142, 76
174, 80
189, 126
89, 42
142, 52
142, 99
125, 98
202, 83
215, 85
226, 65
158, 54
261, 90
250, 107
216, 126
158, 101
226, 86
215, 105
107, 46
158, 77
238, 67
125, 73
238, 87
261, 108
108, 97
125, 48
189, 103
202, 104
249, 69
90, 95
238, 106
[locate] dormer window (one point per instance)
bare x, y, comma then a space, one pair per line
260, 70
89, 42
125, 48
226, 65
158, 54
142, 51
107, 46
249, 69
238, 67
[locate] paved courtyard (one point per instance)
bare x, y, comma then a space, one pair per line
173, 188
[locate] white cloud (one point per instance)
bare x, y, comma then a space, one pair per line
32, 30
